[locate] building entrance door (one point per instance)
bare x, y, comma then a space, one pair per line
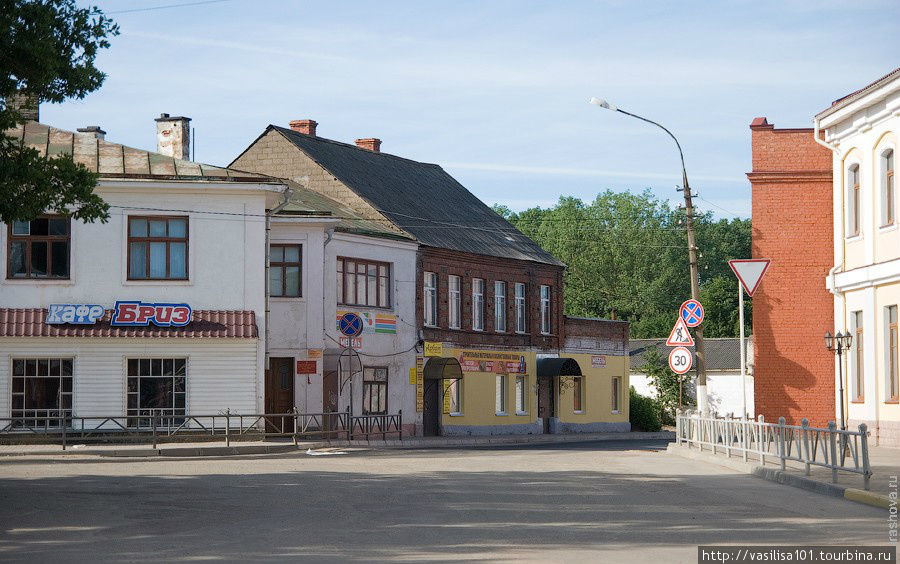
432, 409
280, 394
546, 403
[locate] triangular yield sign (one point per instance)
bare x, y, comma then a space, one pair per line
749, 272
680, 336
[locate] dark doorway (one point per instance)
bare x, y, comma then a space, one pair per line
546, 403
432, 409
280, 394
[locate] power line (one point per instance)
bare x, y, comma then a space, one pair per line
167, 6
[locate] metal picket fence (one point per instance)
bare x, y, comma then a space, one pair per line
162, 425
832, 448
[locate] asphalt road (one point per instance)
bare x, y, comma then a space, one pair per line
618, 502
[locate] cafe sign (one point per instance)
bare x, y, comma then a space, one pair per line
141, 314
75, 314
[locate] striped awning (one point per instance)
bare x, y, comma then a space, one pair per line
204, 324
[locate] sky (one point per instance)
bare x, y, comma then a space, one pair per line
495, 91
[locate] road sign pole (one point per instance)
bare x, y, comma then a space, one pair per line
743, 352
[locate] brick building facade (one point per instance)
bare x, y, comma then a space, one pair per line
792, 309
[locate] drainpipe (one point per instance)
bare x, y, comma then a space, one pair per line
287, 198
839, 264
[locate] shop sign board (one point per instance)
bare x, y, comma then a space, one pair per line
598, 361
446, 396
355, 343
141, 314
412, 376
76, 314
434, 349
420, 384
495, 362
313, 354
306, 367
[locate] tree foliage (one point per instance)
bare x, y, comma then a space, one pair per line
47, 54
627, 258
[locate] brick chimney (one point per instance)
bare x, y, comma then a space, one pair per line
173, 136
93, 131
304, 126
26, 104
370, 144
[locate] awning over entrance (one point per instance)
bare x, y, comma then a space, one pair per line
438, 368
550, 367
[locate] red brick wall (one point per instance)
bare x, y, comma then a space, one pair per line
467, 266
792, 225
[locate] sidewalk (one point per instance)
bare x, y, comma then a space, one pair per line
884, 463
276, 446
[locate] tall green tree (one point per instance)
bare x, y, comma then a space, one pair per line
627, 257
47, 54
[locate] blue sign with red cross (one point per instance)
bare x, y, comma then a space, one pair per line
350, 324
692, 313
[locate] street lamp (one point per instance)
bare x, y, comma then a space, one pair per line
839, 343
692, 251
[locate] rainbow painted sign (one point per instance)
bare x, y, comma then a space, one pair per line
373, 323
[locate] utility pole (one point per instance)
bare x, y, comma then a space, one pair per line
702, 404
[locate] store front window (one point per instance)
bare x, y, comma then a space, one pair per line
41, 391
156, 386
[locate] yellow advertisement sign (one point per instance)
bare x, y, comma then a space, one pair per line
434, 349
491, 361
412, 376
420, 384
447, 384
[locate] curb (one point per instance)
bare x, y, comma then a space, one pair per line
783, 477
390, 444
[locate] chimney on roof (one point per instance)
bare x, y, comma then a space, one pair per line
93, 130
370, 144
304, 126
28, 105
173, 136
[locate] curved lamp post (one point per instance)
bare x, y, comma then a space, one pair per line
692, 251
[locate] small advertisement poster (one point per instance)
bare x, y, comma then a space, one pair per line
420, 384
598, 361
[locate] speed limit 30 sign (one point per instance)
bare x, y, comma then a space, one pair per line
680, 360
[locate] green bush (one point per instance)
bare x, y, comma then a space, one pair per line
643, 412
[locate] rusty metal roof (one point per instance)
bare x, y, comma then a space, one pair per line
204, 324
113, 160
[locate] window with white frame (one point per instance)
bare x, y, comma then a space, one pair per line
499, 306
500, 396
616, 394
545, 310
430, 299
477, 304
520, 307
853, 201
521, 394
41, 391
888, 199
453, 390
858, 358
893, 368
455, 298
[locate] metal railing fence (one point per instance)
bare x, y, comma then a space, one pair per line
832, 448
161, 425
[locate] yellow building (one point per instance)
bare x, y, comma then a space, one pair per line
494, 392
863, 130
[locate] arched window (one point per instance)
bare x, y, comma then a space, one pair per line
888, 198
853, 201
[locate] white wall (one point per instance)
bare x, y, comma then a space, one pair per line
226, 265
221, 373
723, 390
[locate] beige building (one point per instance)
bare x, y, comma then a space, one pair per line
862, 130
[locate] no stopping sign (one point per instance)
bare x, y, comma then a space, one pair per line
680, 360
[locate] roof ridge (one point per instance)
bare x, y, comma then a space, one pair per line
351, 146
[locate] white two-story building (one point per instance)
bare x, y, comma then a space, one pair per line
167, 308
863, 131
